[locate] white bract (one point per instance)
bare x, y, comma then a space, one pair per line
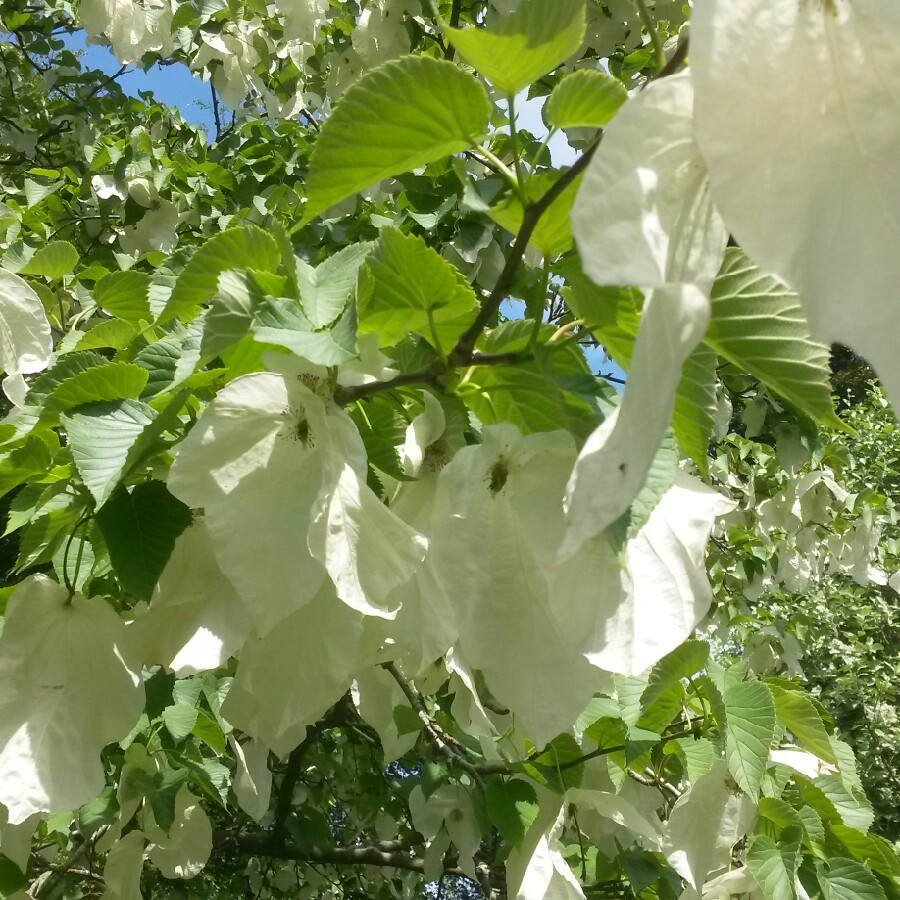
286, 680
252, 783
280, 472
196, 620
808, 179
122, 872
613, 464
25, 340
181, 852
66, 679
497, 525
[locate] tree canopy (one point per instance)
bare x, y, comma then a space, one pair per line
333, 565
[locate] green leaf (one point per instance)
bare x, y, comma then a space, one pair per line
382, 430
556, 766
584, 99
759, 326
774, 864
412, 288
32, 459
102, 436
246, 247
161, 789
12, 878
172, 360
851, 805
140, 528
112, 381
388, 122
115, 333
664, 693
54, 260
125, 295
179, 720
871, 849
846, 879
65, 368
750, 711
282, 323
517, 49
694, 416
324, 290
102, 810
796, 712
512, 806
553, 233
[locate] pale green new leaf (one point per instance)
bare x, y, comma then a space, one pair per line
809, 184
585, 99
245, 247
324, 289
517, 49
61, 665
388, 122
759, 325
102, 436
846, 879
125, 295
750, 712
53, 260
413, 288
797, 713
774, 864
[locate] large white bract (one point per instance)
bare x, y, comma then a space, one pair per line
67, 678
795, 117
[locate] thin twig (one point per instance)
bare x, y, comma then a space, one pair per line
48, 888
653, 30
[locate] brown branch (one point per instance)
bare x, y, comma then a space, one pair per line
465, 346
48, 888
455, 11
263, 843
677, 58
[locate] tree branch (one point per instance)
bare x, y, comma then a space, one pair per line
263, 843
466, 343
455, 11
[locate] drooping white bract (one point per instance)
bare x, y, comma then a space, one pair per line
497, 526
133, 28
705, 823
613, 464
376, 696
196, 619
643, 609
122, 871
424, 628
183, 851
643, 215
66, 680
280, 472
289, 678
450, 810
796, 119
25, 340
252, 783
